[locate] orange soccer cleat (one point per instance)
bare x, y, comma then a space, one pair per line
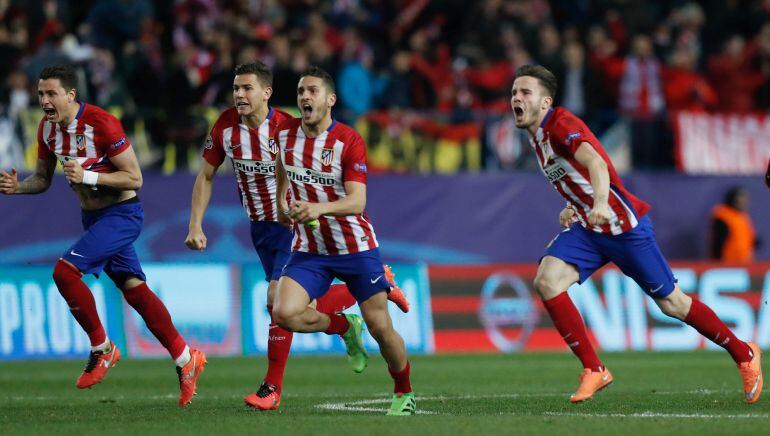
751, 374
267, 397
99, 362
188, 376
396, 295
591, 382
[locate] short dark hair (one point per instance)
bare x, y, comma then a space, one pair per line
542, 74
65, 73
316, 71
257, 68
731, 196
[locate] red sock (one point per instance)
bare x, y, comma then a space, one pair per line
80, 301
570, 325
338, 324
703, 319
336, 299
401, 382
157, 318
278, 346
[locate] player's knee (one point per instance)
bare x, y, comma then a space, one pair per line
675, 308
284, 318
546, 286
64, 272
379, 329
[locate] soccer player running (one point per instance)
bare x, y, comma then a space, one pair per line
101, 167
603, 223
324, 163
245, 134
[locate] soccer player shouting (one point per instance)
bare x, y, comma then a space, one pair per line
603, 223
245, 134
101, 167
324, 161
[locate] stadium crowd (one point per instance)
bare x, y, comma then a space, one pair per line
167, 62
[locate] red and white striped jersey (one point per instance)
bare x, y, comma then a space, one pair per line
317, 169
555, 143
252, 152
91, 138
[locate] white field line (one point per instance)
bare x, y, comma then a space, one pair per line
359, 406
662, 415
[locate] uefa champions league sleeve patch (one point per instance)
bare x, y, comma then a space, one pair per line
571, 137
209, 144
360, 167
115, 145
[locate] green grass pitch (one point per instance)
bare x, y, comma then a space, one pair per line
654, 393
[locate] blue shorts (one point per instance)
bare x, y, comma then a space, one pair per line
362, 272
108, 241
636, 253
273, 244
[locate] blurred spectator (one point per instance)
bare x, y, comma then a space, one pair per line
357, 86
549, 52
579, 85
285, 72
686, 89
642, 101
732, 233
114, 22
733, 78
398, 83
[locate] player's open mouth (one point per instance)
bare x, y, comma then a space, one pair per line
242, 104
518, 112
49, 112
307, 109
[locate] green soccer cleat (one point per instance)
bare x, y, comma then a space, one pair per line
354, 342
402, 405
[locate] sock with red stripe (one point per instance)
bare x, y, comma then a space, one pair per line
338, 324
80, 301
401, 383
278, 346
157, 318
706, 322
336, 299
570, 325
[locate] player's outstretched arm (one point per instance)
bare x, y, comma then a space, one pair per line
600, 181
128, 176
353, 203
196, 239
281, 192
36, 183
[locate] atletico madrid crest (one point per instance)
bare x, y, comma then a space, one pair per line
273, 146
327, 156
81, 141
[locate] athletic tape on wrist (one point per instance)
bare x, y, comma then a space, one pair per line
90, 178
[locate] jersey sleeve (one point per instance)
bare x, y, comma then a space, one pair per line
112, 138
43, 152
213, 150
568, 133
354, 160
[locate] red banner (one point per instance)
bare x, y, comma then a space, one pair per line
721, 143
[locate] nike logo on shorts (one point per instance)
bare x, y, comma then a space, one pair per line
376, 279
76, 254
652, 291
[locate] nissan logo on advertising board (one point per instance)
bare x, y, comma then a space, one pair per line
507, 311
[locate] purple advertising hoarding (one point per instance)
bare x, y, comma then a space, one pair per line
465, 218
